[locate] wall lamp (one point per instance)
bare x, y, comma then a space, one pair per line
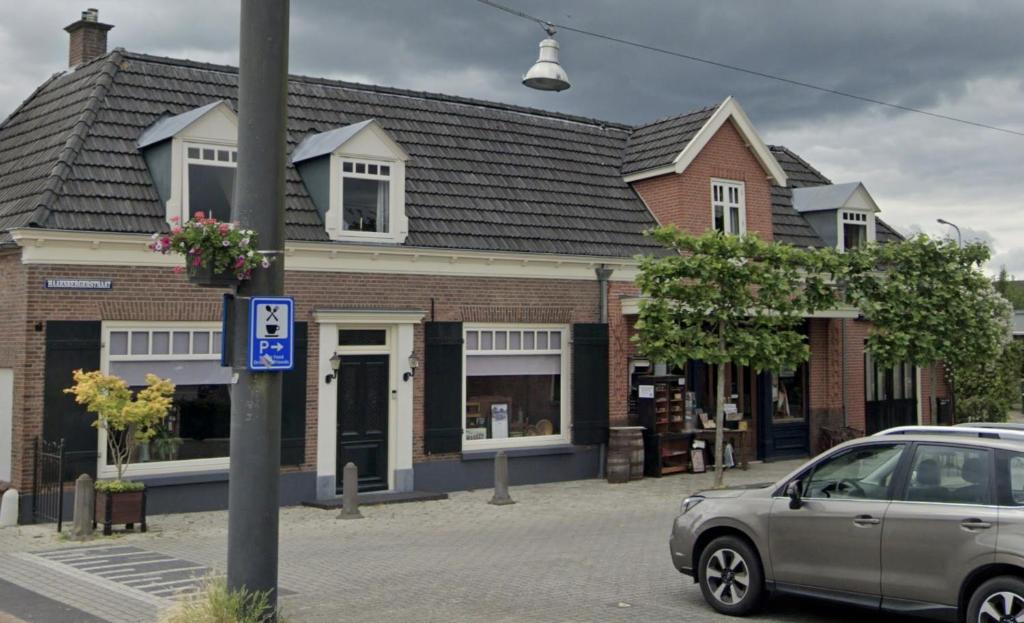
413, 364
335, 364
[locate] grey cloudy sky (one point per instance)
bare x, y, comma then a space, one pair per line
955, 57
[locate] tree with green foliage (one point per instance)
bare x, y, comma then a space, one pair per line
724, 299
929, 304
1010, 290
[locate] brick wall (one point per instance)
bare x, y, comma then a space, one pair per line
685, 199
156, 294
14, 327
620, 349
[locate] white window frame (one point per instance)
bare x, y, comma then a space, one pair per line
154, 468
186, 211
726, 204
397, 220
565, 369
846, 216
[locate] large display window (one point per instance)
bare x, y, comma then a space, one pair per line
515, 389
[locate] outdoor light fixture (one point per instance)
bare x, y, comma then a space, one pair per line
547, 74
335, 364
959, 236
413, 364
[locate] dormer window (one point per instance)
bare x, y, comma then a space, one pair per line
356, 178
365, 196
728, 209
855, 229
209, 180
192, 158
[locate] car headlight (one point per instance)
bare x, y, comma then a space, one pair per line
689, 503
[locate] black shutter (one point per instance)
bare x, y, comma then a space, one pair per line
293, 401
70, 345
442, 408
589, 383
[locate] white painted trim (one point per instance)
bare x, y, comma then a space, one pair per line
6, 422
869, 225
398, 221
727, 110
726, 204
400, 327
565, 417
47, 246
154, 468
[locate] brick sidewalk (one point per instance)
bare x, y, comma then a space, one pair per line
575, 551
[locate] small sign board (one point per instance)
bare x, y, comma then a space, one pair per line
78, 284
646, 391
271, 321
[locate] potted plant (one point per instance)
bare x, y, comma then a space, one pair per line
217, 254
128, 421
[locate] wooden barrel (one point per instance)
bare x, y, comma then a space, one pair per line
625, 453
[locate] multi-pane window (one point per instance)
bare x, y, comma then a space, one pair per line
210, 180
513, 383
855, 229
728, 212
199, 422
365, 196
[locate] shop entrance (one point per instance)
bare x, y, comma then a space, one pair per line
784, 430
363, 419
890, 395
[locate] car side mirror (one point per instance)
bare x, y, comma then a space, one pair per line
793, 491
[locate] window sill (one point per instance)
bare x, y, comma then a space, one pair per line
169, 480
490, 453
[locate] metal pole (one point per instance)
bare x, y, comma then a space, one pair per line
959, 236
253, 493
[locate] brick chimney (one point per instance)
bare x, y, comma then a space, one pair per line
88, 38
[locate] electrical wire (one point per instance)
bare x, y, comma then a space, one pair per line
807, 85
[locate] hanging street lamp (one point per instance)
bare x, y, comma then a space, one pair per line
547, 74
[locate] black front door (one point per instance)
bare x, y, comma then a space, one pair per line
363, 419
891, 396
782, 405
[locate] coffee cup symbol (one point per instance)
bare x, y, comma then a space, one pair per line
272, 329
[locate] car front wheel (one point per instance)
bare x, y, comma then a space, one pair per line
730, 576
998, 600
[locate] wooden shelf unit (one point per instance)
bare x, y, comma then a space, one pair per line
666, 442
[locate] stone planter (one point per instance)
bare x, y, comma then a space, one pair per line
127, 507
204, 277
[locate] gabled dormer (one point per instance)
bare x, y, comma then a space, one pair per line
356, 178
842, 214
192, 159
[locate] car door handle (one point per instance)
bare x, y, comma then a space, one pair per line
866, 520
975, 524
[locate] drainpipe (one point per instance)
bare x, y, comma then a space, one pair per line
603, 274
846, 418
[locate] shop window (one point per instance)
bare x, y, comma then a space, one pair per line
855, 229
197, 429
210, 180
514, 385
788, 402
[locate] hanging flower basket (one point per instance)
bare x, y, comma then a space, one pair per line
217, 254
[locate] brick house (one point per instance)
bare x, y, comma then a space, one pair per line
491, 244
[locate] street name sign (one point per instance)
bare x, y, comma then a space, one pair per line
271, 320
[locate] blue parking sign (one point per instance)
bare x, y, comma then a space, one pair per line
271, 325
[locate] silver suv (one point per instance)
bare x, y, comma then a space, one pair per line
921, 524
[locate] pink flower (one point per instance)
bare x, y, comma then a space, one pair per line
197, 261
175, 230
165, 241
224, 229
175, 219
199, 216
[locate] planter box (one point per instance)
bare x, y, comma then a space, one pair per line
204, 277
126, 508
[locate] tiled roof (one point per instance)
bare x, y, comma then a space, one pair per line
481, 175
657, 144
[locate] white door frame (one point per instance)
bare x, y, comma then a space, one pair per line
6, 422
400, 327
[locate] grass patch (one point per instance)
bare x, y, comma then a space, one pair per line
214, 603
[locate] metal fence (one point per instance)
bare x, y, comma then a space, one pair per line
48, 482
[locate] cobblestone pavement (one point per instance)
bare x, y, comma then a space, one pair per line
576, 551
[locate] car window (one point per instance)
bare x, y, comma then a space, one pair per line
861, 473
950, 475
1016, 465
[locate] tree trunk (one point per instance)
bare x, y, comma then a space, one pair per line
720, 415
934, 402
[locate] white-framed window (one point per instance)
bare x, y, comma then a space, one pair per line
365, 196
856, 229
728, 207
516, 385
208, 180
195, 434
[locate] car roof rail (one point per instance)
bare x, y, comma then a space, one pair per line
955, 431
